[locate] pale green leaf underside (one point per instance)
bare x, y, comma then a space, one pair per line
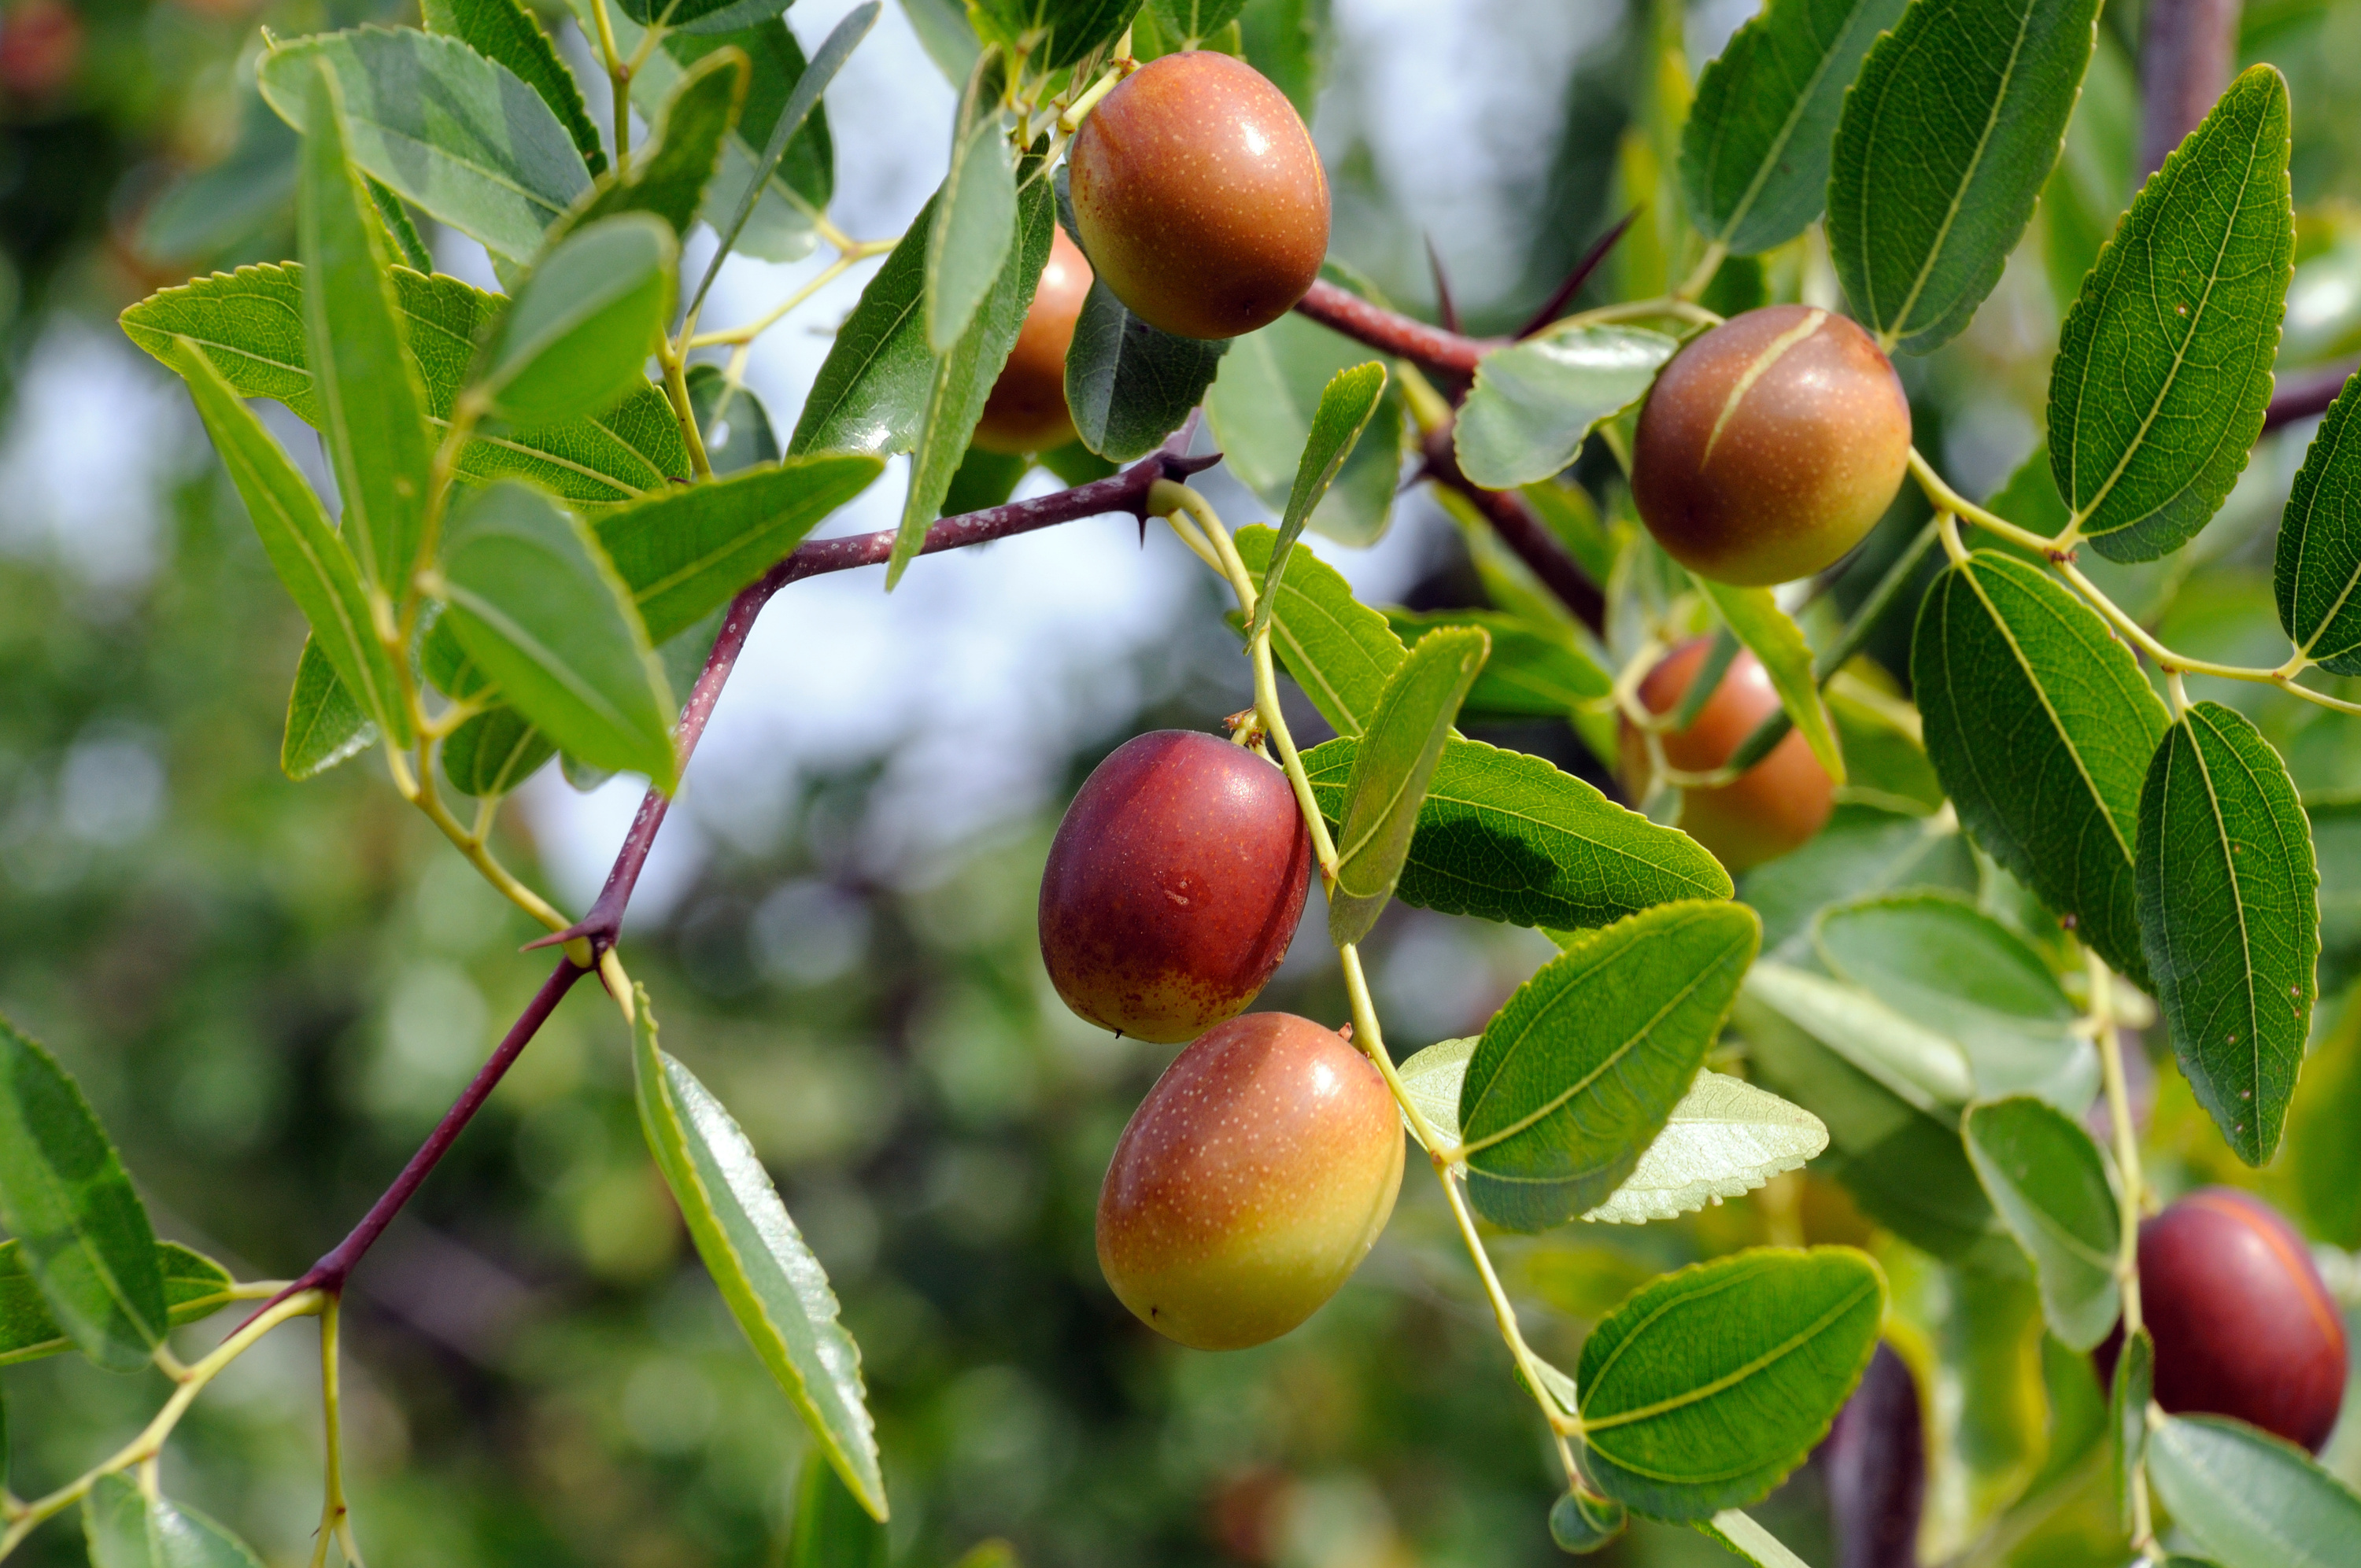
325, 725
2249, 1501
775, 1286
2054, 1190
1534, 401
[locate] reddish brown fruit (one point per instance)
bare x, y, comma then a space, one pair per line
1199, 196
1250, 1182
2242, 1325
1173, 886
1769, 446
1026, 411
1773, 806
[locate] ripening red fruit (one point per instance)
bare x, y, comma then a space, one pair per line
1769, 446
1250, 1182
1173, 886
1026, 411
1773, 806
1199, 196
2242, 1325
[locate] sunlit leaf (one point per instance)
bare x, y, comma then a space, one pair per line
1347, 404
576, 337
1392, 765
775, 1286
1338, 650
1534, 401
1776, 641
668, 176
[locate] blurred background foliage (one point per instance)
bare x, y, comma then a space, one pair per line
271, 991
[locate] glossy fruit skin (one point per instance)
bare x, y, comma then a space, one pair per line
2242, 1325
1026, 411
1173, 886
1773, 806
1199, 196
1250, 1182
1769, 446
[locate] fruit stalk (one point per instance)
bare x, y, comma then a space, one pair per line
2109, 1040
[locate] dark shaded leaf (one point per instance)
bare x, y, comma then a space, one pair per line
2318, 572
1128, 384
669, 177
493, 752
2249, 1499
195, 1286
325, 725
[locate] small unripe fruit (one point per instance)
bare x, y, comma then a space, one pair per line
1026, 411
1173, 886
1250, 1182
1773, 806
2242, 1325
1199, 196
1769, 446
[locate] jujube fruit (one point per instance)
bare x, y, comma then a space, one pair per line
1769, 446
1026, 411
1773, 806
2242, 1325
1250, 1182
1199, 196
1173, 886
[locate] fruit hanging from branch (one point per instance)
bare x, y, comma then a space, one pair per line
1773, 806
1770, 446
1199, 196
1026, 411
1173, 886
1250, 1182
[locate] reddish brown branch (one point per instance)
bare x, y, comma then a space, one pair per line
1124, 492
2302, 395
1445, 353
2186, 55
1523, 531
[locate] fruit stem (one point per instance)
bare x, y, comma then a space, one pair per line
2109, 1039
1562, 1423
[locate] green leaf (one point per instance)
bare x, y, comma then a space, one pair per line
2319, 566
2095, 175
737, 427
506, 31
669, 177
963, 377
2163, 371
2054, 1190
1391, 768
536, 604
65, 1196
1505, 836
1583, 1066
679, 13
1709, 1383
1347, 404
2248, 1499
250, 325
974, 215
1535, 671
1067, 31
985, 479
577, 335
1338, 650
313, 563
2128, 1402
872, 389
775, 1286
1755, 616
1432, 1078
2326, 1163
1261, 408
1534, 401
831, 1530
1863, 850
1906, 1167
1196, 20
1128, 384
685, 553
1946, 137
1739, 1533
493, 752
2040, 726
126, 1529
372, 410
454, 133
325, 725
399, 233
1754, 153
1914, 1060
2229, 914
195, 1286
1937, 959
785, 127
